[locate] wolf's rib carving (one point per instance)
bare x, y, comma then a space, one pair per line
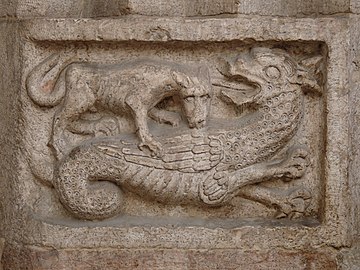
209, 166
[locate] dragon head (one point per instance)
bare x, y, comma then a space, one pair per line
263, 68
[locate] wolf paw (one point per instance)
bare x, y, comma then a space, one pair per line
170, 118
106, 126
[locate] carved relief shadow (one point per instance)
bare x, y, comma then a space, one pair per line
179, 132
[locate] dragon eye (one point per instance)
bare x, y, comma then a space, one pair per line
272, 72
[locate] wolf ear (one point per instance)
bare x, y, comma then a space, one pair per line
180, 78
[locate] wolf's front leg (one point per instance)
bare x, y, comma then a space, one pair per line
140, 114
148, 142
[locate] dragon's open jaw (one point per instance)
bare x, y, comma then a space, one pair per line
252, 81
240, 88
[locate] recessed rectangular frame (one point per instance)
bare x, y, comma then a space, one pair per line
334, 229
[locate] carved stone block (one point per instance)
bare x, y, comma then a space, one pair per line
218, 129
158, 136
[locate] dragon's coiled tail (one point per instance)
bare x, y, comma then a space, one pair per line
175, 178
83, 197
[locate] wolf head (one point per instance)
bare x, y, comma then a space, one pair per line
195, 92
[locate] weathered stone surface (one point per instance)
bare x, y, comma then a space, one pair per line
60, 83
350, 258
291, 8
243, 227
355, 118
73, 9
41, 258
355, 6
9, 121
93, 8
182, 8
51, 8
7, 8
2, 244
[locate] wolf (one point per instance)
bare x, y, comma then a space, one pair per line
130, 88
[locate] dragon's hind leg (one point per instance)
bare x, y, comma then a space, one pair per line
290, 202
223, 186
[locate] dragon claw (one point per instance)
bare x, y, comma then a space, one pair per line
295, 165
295, 203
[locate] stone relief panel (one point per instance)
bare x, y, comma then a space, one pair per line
222, 130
